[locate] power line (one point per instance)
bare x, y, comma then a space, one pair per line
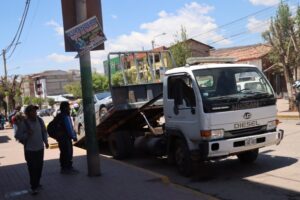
234, 21
243, 32
239, 19
16, 38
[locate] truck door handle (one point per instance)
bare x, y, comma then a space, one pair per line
169, 116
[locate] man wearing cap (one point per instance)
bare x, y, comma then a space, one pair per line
35, 139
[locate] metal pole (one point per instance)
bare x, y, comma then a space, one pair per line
151, 68
153, 59
137, 68
6, 83
122, 69
93, 160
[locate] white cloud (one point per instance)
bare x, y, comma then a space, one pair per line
257, 26
59, 58
114, 16
57, 27
264, 2
193, 16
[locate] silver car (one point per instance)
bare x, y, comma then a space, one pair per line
103, 102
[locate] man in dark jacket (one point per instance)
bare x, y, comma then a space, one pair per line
65, 139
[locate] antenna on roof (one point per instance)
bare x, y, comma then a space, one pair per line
204, 60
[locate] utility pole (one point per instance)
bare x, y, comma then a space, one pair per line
93, 160
5, 79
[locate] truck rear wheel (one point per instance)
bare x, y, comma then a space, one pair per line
120, 144
248, 156
182, 158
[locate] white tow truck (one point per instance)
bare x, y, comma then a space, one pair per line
207, 115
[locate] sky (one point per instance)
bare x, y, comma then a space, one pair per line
130, 25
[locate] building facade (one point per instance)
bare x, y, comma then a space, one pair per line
48, 83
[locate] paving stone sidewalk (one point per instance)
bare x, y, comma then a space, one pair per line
118, 180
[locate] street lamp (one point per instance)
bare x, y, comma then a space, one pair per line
153, 54
152, 42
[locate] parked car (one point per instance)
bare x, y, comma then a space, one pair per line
103, 102
45, 112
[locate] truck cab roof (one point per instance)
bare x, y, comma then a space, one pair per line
189, 69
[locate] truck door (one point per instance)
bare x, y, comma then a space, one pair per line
181, 112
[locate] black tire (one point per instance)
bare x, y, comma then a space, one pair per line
248, 157
183, 158
102, 112
120, 145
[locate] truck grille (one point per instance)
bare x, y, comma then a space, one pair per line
246, 131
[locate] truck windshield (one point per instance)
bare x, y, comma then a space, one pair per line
231, 87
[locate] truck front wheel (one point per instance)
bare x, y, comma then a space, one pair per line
248, 156
182, 158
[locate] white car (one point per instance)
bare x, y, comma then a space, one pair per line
103, 102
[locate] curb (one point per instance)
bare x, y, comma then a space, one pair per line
164, 179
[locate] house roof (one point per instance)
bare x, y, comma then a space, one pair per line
143, 55
243, 53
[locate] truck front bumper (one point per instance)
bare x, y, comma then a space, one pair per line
233, 146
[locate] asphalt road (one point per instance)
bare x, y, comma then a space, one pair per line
275, 174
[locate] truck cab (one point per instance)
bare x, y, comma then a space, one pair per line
209, 113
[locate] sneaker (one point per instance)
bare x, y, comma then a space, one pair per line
69, 171
74, 171
34, 192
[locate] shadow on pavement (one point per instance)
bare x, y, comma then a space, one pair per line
4, 139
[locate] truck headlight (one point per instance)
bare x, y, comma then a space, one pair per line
212, 134
272, 124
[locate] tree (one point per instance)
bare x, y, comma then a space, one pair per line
117, 79
283, 35
27, 100
11, 87
51, 102
180, 48
100, 82
38, 101
74, 88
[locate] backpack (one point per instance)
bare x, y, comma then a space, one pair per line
20, 136
54, 128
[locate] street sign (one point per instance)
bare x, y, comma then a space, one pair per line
86, 36
93, 8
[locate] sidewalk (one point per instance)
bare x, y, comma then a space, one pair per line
118, 180
283, 110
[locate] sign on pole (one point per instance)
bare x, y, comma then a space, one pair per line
86, 36
93, 8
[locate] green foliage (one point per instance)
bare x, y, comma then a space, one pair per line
180, 48
27, 100
38, 101
117, 79
51, 102
74, 88
100, 82
284, 36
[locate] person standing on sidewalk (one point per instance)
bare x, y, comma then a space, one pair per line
65, 139
33, 130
